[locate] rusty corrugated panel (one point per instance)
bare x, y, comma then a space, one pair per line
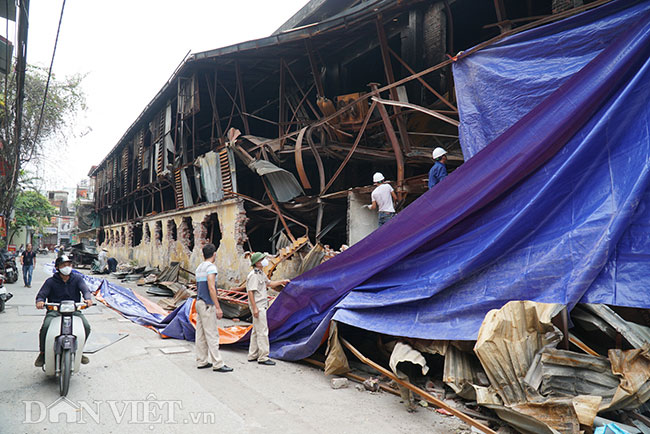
508, 340
283, 184
637, 335
567, 373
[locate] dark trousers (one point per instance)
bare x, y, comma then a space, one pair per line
49, 316
384, 217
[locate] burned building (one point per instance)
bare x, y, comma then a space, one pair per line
272, 143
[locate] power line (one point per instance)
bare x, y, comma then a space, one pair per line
49, 74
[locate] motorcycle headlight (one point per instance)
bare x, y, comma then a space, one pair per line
67, 308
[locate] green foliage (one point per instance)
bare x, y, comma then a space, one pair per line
32, 209
65, 99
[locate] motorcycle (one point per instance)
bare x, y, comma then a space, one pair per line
4, 295
64, 343
8, 266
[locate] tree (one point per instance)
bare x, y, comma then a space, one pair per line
64, 100
32, 209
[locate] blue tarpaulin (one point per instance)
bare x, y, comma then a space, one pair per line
553, 206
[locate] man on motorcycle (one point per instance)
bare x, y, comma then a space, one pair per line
62, 286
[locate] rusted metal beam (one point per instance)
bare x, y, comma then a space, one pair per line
422, 81
390, 77
352, 149
502, 16
268, 208
277, 210
314, 68
424, 394
430, 112
299, 163
281, 108
293, 77
212, 90
392, 138
242, 98
319, 161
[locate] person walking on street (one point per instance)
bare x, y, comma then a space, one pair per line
208, 313
256, 286
382, 199
62, 286
28, 260
439, 169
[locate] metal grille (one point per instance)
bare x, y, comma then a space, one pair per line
226, 178
178, 188
140, 145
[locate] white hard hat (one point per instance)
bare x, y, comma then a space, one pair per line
377, 177
438, 152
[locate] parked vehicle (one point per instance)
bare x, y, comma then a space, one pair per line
64, 343
4, 295
8, 266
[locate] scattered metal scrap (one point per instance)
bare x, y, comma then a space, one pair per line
515, 371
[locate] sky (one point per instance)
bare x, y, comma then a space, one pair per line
128, 50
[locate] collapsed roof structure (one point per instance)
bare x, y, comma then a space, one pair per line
254, 145
547, 217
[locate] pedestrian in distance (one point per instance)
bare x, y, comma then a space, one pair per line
439, 169
382, 198
208, 313
28, 261
257, 284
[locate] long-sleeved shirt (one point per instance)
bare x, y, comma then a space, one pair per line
437, 173
55, 290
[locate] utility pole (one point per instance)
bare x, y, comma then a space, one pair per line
22, 25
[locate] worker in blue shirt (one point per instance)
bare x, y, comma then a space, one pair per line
439, 169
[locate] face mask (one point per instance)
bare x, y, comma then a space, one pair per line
265, 262
66, 270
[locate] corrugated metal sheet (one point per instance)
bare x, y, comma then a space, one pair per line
283, 185
566, 373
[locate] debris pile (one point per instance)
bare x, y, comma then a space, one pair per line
521, 372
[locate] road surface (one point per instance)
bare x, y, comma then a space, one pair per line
131, 386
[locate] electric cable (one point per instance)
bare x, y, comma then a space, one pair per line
49, 75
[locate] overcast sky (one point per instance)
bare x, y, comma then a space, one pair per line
129, 49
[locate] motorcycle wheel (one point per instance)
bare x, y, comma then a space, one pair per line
2, 305
12, 277
66, 371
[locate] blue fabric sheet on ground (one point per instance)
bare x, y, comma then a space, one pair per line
554, 209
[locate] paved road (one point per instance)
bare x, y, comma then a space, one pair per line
131, 386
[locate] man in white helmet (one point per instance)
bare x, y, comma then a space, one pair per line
439, 169
382, 198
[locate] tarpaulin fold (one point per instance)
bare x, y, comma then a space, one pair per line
538, 214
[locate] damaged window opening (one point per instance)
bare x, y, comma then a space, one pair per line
158, 232
136, 235
212, 232
187, 233
172, 234
147, 234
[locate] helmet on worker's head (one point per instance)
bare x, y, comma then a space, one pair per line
60, 260
257, 257
377, 177
438, 152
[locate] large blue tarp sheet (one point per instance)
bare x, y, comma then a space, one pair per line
554, 207
500, 84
